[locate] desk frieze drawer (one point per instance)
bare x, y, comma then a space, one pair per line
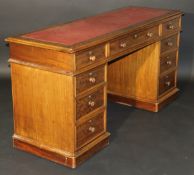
89, 103
167, 82
133, 39
119, 45
90, 129
145, 35
168, 61
169, 43
90, 56
171, 26
90, 79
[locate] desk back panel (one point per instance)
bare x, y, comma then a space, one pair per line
136, 75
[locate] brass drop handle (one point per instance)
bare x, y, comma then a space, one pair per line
92, 79
92, 58
168, 83
92, 129
169, 62
150, 34
171, 26
123, 45
135, 36
91, 103
170, 44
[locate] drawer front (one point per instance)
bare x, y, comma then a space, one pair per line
90, 129
170, 26
166, 82
119, 45
167, 62
133, 39
89, 79
89, 103
169, 43
144, 36
90, 56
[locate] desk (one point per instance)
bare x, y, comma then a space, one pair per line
61, 76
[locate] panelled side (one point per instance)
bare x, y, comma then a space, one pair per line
43, 108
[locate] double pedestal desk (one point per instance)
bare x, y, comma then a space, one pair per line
62, 76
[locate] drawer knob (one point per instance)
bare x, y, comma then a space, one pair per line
91, 103
170, 44
92, 129
92, 80
150, 34
92, 58
167, 57
123, 45
168, 83
171, 27
169, 62
135, 36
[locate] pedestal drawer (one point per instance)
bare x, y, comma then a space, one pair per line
90, 129
166, 82
169, 43
90, 56
90, 79
170, 26
88, 103
168, 61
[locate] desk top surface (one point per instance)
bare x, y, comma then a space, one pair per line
89, 28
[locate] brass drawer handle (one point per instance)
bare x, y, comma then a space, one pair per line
168, 83
90, 121
123, 45
169, 62
92, 79
92, 129
150, 34
171, 27
92, 58
91, 103
135, 36
170, 44
167, 57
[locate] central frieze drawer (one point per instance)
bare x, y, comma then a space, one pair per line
132, 39
90, 102
90, 56
90, 79
90, 129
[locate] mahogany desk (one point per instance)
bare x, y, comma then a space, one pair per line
61, 77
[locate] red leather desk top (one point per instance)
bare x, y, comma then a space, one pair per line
89, 28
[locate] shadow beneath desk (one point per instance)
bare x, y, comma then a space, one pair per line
117, 115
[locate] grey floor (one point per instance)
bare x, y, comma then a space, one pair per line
141, 142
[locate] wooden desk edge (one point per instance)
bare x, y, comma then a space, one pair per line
92, 42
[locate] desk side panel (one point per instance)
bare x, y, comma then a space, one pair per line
43, 108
